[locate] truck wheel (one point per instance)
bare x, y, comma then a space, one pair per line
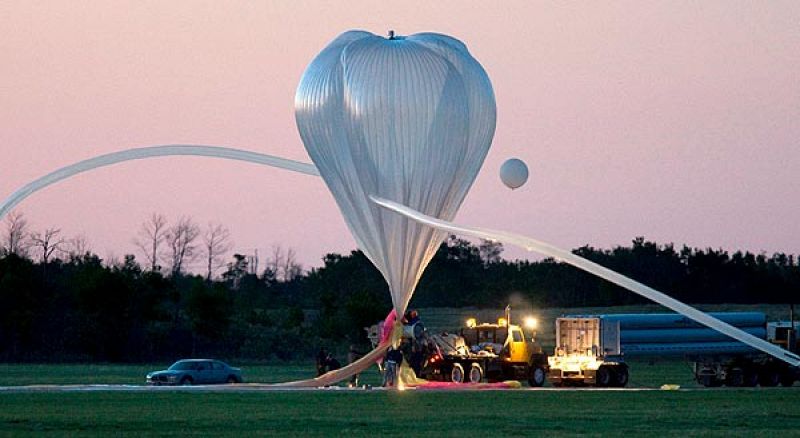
457, 373
709, 381
475, 374
769, 377
536, 376
621, 376
603, 376
787, 379
734, 378
750, 377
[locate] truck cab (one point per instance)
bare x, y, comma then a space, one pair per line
506, 341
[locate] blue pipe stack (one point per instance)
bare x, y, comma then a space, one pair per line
663, 334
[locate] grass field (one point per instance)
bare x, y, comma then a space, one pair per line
372, 413
644, 374
709, 412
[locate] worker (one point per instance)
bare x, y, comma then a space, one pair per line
322, 357
353, 355
416, 358
411, 317
332, 363
394, 357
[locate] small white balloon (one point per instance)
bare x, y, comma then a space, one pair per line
514, 173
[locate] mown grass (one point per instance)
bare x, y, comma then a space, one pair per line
412, 413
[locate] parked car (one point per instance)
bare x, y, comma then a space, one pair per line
196, 372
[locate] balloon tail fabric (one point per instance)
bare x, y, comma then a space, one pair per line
335, 376
600, 271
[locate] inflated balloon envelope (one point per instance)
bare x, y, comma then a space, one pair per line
398, 128
404, 118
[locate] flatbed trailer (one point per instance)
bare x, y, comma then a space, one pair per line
591, 349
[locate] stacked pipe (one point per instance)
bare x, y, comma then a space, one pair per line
674, 334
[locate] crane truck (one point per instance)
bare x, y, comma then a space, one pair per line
493, 351
486, 351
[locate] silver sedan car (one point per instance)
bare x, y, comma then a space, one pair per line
196, 372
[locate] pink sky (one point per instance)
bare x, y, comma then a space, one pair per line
674, 120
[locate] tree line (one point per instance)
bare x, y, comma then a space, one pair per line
61, 302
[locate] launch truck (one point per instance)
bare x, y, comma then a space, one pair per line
488, 350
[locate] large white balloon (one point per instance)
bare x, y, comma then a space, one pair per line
405, 118
514, 173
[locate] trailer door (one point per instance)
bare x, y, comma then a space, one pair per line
577, 335
610, 337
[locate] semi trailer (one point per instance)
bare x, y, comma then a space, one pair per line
591, 349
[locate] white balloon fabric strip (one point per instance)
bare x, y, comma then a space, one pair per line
593, 268
150, 152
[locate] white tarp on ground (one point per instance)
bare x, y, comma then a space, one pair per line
407, 118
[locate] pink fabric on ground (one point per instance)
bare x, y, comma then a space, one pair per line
467, 386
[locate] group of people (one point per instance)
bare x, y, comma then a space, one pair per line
412, 351
326, 362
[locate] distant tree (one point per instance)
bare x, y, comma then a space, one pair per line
275, 261
216, 242
208, 308
236, 270
16, 237
490, 251
291, 268
283, 264
181, 244
150, 237
48, 243
77, 247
